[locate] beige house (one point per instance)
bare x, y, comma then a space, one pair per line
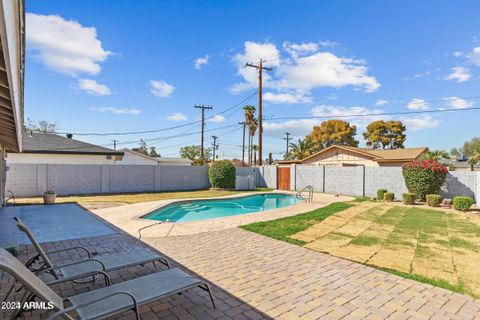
135, 157
12, 57
352, 156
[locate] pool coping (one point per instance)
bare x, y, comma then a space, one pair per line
128, 217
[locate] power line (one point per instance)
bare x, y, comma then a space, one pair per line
203, 108
161, 129
288, 141
375, 114
214, 146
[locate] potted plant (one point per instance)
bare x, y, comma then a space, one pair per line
49, 196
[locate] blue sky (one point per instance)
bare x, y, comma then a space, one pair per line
116, 66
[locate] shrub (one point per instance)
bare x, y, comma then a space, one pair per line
222, 174
389, 196
462, 203
434, 200
381, 194
409, 198
424, 177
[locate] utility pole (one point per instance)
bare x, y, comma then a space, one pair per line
215, 146
243, 144
260, 69
288, 141
203, 124
115, 144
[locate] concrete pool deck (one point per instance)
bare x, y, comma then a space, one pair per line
128, 217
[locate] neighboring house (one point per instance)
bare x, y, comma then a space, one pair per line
135, 157
46, 148
12, 58
352, 156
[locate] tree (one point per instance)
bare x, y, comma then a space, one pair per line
193, 153
385, 134
473, 160
252, 124
153, 152
436, 155
455, 152
332, 132
42, 126
142, 147
254, 150
299, 150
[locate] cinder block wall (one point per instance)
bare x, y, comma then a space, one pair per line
359, 181
27, 180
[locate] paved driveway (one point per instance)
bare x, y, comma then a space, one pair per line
284, 281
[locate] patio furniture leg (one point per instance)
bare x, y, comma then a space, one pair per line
206, 287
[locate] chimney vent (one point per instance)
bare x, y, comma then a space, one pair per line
69, 135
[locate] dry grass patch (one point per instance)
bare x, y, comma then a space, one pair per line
106, 200
434, 246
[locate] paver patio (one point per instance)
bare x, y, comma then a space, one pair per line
256, 277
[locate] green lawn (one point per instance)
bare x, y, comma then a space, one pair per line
281, 229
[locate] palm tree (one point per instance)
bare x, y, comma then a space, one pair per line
254, 149
436, 155
300, 150
249, 113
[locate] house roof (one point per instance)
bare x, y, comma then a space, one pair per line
158, 160
55, 144
407, 154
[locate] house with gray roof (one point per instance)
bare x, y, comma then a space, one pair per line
47, 148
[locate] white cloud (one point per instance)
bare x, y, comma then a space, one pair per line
417, 104
300, 49
287, 98
458, 103
303, 69
421, 122
381, 103
64, 45
200, 62
327, 43
358, 115
332, 96
474, 56
217, 118
177, 117
93, 87
161, 88
132, 111
296, 128
459, 74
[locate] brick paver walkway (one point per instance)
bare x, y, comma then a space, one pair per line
255, 277
284, 281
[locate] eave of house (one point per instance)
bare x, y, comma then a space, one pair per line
12, 58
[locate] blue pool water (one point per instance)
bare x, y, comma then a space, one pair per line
196, 210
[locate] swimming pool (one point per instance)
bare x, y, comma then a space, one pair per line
196, 210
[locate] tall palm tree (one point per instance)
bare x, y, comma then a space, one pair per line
251, 130
300, 150
254, 149
249, 113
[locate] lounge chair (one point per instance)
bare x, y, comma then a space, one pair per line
115, 261
106, 301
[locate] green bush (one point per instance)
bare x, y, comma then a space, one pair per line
389, 196
222, 174
381, 194
462, 203
434, 200
409, 198
424, 177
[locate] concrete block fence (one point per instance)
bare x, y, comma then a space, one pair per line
365, 181
27, 180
